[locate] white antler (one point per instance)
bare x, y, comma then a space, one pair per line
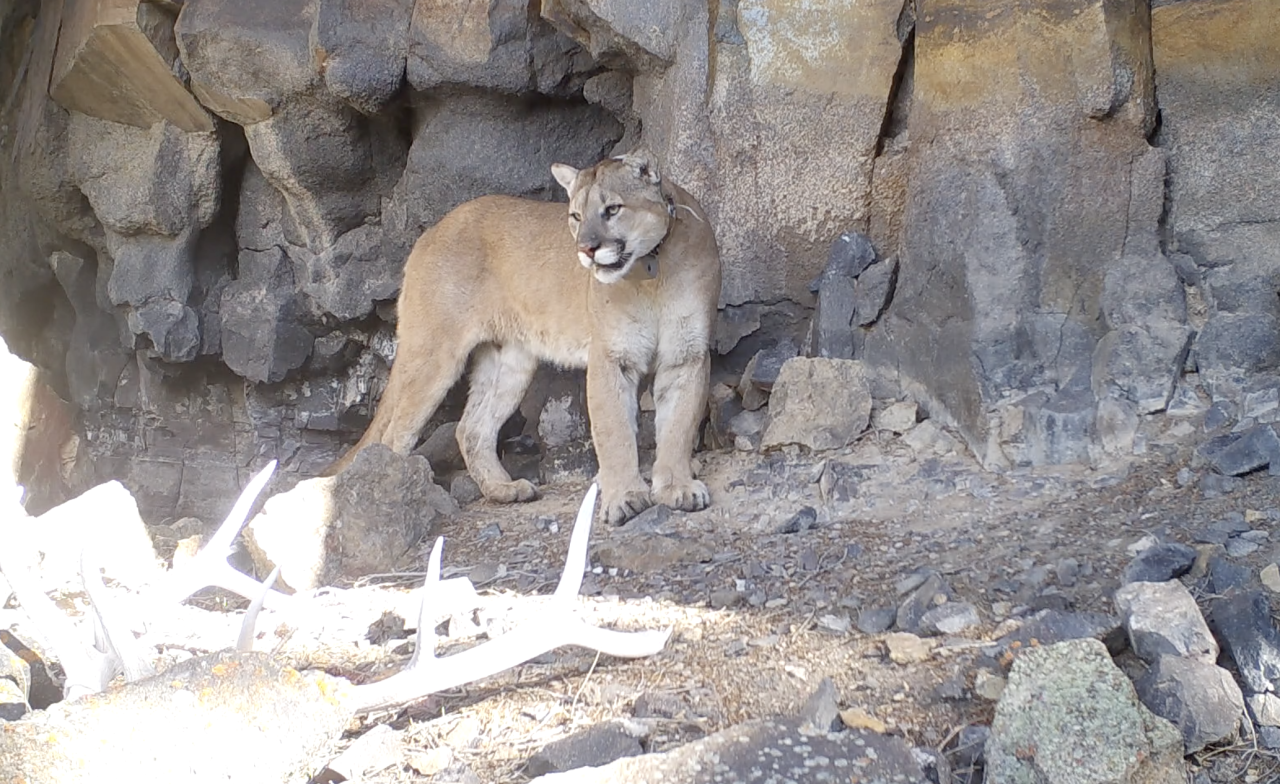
90, 667
554, 624
209, 566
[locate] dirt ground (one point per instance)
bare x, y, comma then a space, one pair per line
761, 616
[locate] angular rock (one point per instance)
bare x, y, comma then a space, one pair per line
836, 287
1116, 425
875, 620
1198, 697
874, 291
648, 553
818, 403
1158, 563
115, 61
949, 618
907, 648
1265, 709
1068, 714
1242, 623
1163, 620
795, 751
1223, 575
1053, 626
1062, 429
371, 753
1258, 447
723, 405
15, 685
592, 747
1231, 343
363, 520
768, 362
821, 710
929, 595
441, 449
262, 339
898, 418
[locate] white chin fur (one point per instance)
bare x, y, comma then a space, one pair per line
610, 275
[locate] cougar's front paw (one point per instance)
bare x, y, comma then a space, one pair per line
625, 505
688, 496
516, 491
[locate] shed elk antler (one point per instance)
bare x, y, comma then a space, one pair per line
544, 628
547, 623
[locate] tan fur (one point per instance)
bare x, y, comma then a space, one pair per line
499, 279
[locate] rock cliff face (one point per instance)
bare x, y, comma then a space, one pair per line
206, 204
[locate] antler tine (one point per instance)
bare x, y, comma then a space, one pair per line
120, 648
244, 643
424, 646
554, 625
209, 567
575, 562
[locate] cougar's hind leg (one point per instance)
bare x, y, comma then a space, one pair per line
500, 375
421, 375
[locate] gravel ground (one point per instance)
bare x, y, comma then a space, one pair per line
767, 589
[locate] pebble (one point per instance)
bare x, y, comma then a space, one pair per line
907, 648
1270, 577
1239, 548
724, 598
949, 618
988, 685
876, 620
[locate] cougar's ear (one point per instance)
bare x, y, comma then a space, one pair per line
644, 164
564, 174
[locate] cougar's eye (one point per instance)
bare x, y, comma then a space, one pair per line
576, 217
612, 210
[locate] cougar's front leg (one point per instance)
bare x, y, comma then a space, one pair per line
612, 399
680, 394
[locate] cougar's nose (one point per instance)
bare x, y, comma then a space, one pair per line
589, 250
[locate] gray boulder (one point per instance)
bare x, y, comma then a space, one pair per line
1069, 715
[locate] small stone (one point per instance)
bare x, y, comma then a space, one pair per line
933, 592
430, 762
858, 719
1198, 697
1256, 536
876, 620
1053, 626
1161, 562
949, 618
1265, 709
1163, 619
897, 418
1067, 571
1211, 536
988, 685
804, 519
592, 747
1269, 737
651, 520
1184, 477
906, 648
839, 624
820, 711
1242, 623
489, 533
819, 404
374, 751
464, 490
967, 753
1225, 575
1270, 577
1239, 548
725, 598
929, 439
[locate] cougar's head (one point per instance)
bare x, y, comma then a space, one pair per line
618, 212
